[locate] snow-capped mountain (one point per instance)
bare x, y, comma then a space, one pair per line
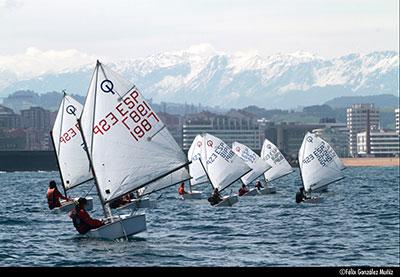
201, 74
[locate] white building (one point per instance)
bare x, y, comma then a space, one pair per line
382, 143
360, 117
397, 112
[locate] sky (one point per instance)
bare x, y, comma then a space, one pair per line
122, 29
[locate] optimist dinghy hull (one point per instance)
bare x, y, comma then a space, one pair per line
314, 200
193, 195
68, 206
252, 192
122, 226
269, 190
228, 201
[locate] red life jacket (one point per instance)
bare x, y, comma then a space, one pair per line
181, 190
53, 198
83, 223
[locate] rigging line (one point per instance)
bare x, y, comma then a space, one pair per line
150, 138
61, 127
120, 97
89, 191
94, 109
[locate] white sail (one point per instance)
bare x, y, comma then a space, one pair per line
129, 145
196, 169
223, 166
258, 165
68, 144
318, 163
280, 166
174, 178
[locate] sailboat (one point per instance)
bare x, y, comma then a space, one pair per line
181, 175
221, 165
196, 169
280, 166
258, 165
128, 147
319, 165
71, 158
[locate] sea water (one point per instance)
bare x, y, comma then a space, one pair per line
356, 224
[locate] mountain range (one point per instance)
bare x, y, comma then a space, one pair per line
203, 75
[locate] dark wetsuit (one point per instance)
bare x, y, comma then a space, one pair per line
299, 197
214, 199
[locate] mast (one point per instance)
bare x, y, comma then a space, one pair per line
212, 186
107, 212
205, 153
58, 163
57, 151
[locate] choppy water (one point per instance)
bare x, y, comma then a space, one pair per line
357, 224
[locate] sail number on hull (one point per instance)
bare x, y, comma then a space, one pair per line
135, 116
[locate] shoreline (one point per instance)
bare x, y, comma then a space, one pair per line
376, 162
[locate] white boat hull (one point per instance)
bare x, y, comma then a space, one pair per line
122, 227
141, 203
314, 200
192, 195
269, 190
228, 201
251, 192
68, 206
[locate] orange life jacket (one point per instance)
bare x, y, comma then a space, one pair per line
53, 198
181, 190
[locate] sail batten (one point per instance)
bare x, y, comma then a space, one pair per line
123, 156
318, 163
68, 145
258, 165
280, 166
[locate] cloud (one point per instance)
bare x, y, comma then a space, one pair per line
35, 62
6, 5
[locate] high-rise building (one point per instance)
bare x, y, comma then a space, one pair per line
397, 112
361, 118
9, 119
288, 137
36, 117
235, 126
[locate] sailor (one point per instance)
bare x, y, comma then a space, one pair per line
243, 190
181, 190
54, 196
301, 195
121, 201
258, 185
215, 198
82, 220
